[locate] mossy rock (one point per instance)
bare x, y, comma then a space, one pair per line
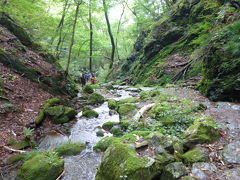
132, 166
129, 100
88, 89
40, 118
116, 131
112, 104
104, 143
125, 124
100, 133
96, 98
174, 171
55, 111
70, 149
51, 102
164, 159
197, 154
204, 130
90, 114
60, 120
125, 109
108, 125
22, 144
70, 112
41, 167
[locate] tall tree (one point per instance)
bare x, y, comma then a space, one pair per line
78, 3
91, 36
109, 32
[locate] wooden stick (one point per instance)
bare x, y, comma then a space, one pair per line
14, 150
139, 114
61, 175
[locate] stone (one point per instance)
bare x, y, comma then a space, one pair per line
100, 133
197, 154
96, 98
141, 144
108, 125
112, 104
120, 161
201, 170
88, 89
231, 153
174, 171
70, 149
231, 174
42, 166
90, 114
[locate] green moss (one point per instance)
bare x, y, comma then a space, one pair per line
55, 111
108, 125
70, 112
103, 144
112, 104
146, 95
197, 154
116, 132
88, 89
60, 120
52, 102
174, 171
129, 100
125, 124
100, 133
132, 166
16, 158
70, 148
90, 113
41, 167
40, 118
164, 159
204, 130
22, 144
96, 98
127, 108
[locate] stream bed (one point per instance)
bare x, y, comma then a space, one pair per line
84, 165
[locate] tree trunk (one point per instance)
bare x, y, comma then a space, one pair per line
110, 33
73, 35
91, 36
118, 31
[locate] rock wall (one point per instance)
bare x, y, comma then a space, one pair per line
187, 42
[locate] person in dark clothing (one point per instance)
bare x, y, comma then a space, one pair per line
83, 80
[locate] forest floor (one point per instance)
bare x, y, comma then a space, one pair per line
26, 98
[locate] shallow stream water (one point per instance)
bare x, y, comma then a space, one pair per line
83, 166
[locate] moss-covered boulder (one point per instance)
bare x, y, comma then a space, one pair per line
70, 148
103, 144
40, 118
51, 102
197, 154
90, 114
100, 133
108, 125
129, 100
132, 167
112, 104
116, 131
55, 111
96, 98
88, 89
41, 167
126, 109
204, 130
174, 171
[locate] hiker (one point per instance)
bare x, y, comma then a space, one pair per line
83, 80
93, 79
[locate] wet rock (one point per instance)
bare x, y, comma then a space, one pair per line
112, 112
201, 170
232, 174
133, 89
164, 158
197, 154
100, 133
120, 161
231, 153
69, 149
174, 171
108, 125
126, 109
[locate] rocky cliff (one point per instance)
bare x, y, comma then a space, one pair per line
197, 39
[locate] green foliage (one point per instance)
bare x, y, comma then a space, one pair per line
70, 148
108, 125
116, 131
28, 133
